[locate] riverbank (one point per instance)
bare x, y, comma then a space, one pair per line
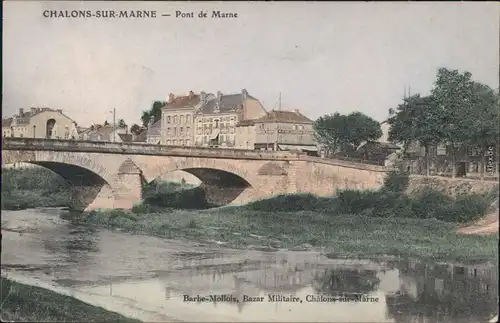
31, 187
338, 236
25, 303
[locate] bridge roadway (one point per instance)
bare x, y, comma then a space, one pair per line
107, 174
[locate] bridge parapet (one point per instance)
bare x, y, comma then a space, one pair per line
344, 163
141, 149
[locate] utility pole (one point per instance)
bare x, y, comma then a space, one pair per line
278, 125
114, 123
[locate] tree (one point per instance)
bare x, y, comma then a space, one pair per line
122, 124
417, 121
106, 123
136, 129
483, 130
153, 113
341, 133
361, 128
328, 131
454, 97
145, 118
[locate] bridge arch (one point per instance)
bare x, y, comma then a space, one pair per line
222, 180
86, 177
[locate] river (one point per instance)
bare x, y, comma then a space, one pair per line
151, 278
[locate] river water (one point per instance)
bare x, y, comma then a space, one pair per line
154, 279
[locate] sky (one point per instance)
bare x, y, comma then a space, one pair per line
323, 57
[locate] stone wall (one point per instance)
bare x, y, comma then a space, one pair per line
450, 186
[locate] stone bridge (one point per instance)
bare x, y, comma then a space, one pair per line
112, 175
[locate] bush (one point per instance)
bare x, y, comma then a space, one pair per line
185, 199
428, 204
293, 203
396, 181
354, 202
466, 208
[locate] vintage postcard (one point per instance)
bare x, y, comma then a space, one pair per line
250, 161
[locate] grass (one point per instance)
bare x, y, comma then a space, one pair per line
24, 303
24, 188
342, 236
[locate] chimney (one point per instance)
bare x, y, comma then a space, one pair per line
219, 96
296, 111
171, 97
21, 112
203, 96
33, 110
59, 110
244, 94
191, 94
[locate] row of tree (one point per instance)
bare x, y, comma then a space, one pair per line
458, 113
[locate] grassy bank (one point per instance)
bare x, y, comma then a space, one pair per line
352, 224
350, 236
31, 187
24, 303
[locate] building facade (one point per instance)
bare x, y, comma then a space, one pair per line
218, 116
205, 119
285, 130
177, 121
40, 123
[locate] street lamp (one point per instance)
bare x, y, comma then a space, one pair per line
34, 130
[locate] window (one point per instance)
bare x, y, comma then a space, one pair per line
182, 131
188, 142
216, 124
168, 119
222, 138
175, 119
199, 120
175, 131
188, 129
168, 131
182, 142
205, 140
174, 142
301, 127
188, 118
181, 119
222, 125
168, 142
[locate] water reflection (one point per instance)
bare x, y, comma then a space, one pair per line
443, 293
347, 283
156, 274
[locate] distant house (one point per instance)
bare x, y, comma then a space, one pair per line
285, 130
153, 133
40, 123
106, 133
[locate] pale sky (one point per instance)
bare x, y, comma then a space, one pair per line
322, 57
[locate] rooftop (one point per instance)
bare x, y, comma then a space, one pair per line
23, 117
284, 116
183, 101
